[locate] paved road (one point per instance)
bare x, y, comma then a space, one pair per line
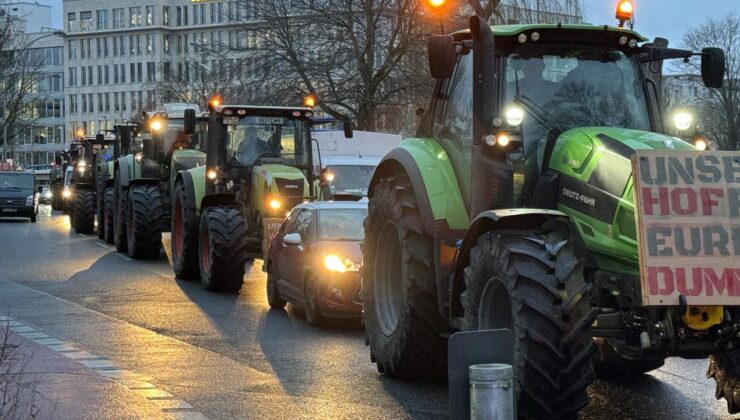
230, 356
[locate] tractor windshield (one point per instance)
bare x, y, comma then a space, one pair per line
174, 137
568, 87
280, 139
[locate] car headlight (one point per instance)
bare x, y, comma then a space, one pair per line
334, 263
29, 200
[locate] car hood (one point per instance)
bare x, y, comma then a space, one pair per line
343, 249
13, 194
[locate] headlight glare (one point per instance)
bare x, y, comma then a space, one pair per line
334, 263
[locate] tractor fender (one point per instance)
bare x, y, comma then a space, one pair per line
124, 165
485, 222
187, 179
144, 181
220, 199
434, 181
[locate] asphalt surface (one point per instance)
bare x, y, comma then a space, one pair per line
230, 356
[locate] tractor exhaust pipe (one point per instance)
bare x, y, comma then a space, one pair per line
492, 180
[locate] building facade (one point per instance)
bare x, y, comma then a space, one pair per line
117, 53
39, 133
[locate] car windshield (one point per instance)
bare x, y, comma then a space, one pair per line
349, 179
258, 138
341, 224
564, 87
16, 181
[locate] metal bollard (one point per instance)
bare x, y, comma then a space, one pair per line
491, 392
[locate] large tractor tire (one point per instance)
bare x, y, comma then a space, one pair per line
56, 198
144, 221
531, 282
222, 249
109, 209
120, 198
100, 215
184, 236
402, 321
610, 365
84, 211
725, 369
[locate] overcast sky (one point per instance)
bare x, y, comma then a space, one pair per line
665, 18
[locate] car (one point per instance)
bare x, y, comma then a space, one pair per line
314, 259
17, 195
45, 197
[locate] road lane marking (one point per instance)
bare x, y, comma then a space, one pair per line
102, 245
166, 402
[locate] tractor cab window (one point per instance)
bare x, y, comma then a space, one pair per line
269, 140
174, 137
565, 87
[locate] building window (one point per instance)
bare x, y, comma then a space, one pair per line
107, 102
123, 74
71, 21
82, 49
150, 44
135, 18
83, 76
90, 106
132, 72
84, 103
118, 19
100, 75
86, 23
132, 44
73, 76
149, 12
102, 19
123, 101
166, 70
166, 43
115, 74
139, 72
178, 16
72, 104
151, 75
121, 47
166, 15
116, 107
107, 79
105, 47
100, 103
98, 48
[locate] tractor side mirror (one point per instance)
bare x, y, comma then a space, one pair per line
189, 121
99, 138
713, 67
293, 239
441, 53
348, 132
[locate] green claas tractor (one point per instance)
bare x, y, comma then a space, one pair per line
88, 159
258, 168
143, 181
513, 208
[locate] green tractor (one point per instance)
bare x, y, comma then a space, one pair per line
143, 181
89, 158
258, 168
513, 208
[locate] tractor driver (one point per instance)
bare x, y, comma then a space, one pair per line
253, 147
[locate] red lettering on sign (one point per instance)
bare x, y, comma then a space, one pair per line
707, 203
728, 281
681, 282
655, 287
649, 201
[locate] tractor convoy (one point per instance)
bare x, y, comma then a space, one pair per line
511, 208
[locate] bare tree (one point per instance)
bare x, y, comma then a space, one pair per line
720, 109
359, 58
528, 11
19, 76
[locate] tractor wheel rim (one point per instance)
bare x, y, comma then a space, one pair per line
388, 287
205, 254
495, 308
179, 230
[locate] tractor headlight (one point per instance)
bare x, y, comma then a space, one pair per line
329, 176
274, 204
66, 193
514, 116
212, 174
138, 157
81, 166
338, 265
682, 120
29, 200
701, 144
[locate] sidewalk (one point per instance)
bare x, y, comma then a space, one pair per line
55, 380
